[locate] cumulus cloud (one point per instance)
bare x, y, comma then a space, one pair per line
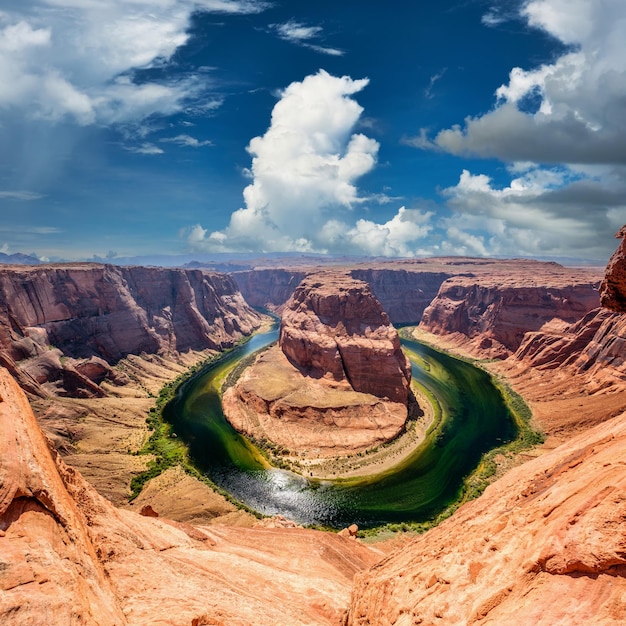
561, 129
303, 196
542, 212
303, 35
75, 58
581, 116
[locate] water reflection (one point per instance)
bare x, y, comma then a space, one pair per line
476, 419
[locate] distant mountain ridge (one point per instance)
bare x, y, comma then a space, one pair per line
18, 259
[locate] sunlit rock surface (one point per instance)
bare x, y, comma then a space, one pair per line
337, 383
62, 326
333, 326
67, 556
544, 545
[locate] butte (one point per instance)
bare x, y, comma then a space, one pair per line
336, 384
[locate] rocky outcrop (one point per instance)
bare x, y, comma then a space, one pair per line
49, 569
544, 545
337, 383
594, 347
495, 311
334, 327
613, 288
67, 556
313, 418
61, 327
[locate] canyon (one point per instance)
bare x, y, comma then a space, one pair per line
544, 544
337, 383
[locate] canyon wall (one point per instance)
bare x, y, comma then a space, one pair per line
403, 293
546, 543
61, 327
493, 312
334, 327
268, 288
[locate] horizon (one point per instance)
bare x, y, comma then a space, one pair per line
489, 128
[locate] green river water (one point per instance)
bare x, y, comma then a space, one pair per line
473, 419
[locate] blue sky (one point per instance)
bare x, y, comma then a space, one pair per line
459, 127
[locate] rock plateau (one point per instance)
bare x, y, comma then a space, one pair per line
62, 327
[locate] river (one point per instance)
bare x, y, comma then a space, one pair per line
474, 419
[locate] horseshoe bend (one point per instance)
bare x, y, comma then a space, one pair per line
336, 383
86, 348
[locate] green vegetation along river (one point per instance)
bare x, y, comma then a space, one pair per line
471, 419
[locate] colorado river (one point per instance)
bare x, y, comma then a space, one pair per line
474, 419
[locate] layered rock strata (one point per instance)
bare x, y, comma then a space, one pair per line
546, 544
334, 327
67, 556
493, 313
61, 327
337, 383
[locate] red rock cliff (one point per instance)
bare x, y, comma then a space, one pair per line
613, 287
268, 288
495, 311
334, 326
545, 544
102, 313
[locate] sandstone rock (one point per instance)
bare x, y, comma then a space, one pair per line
97, 314
49, 571
148, 511
613, 288
404, 293
67, 556
543, 545
318, 417
268, 288
333, 327
495, 312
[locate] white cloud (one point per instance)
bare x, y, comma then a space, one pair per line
74, 58
303, 35
428, 92
581, 116
186, 141
303, 195
568, 113
145, 148
541, 213
20, 195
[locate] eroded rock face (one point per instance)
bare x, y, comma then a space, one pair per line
316, 417
613, 288
49, 569
546, 543
55, 320
334, 327
67, 556
494, 312
543, 545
